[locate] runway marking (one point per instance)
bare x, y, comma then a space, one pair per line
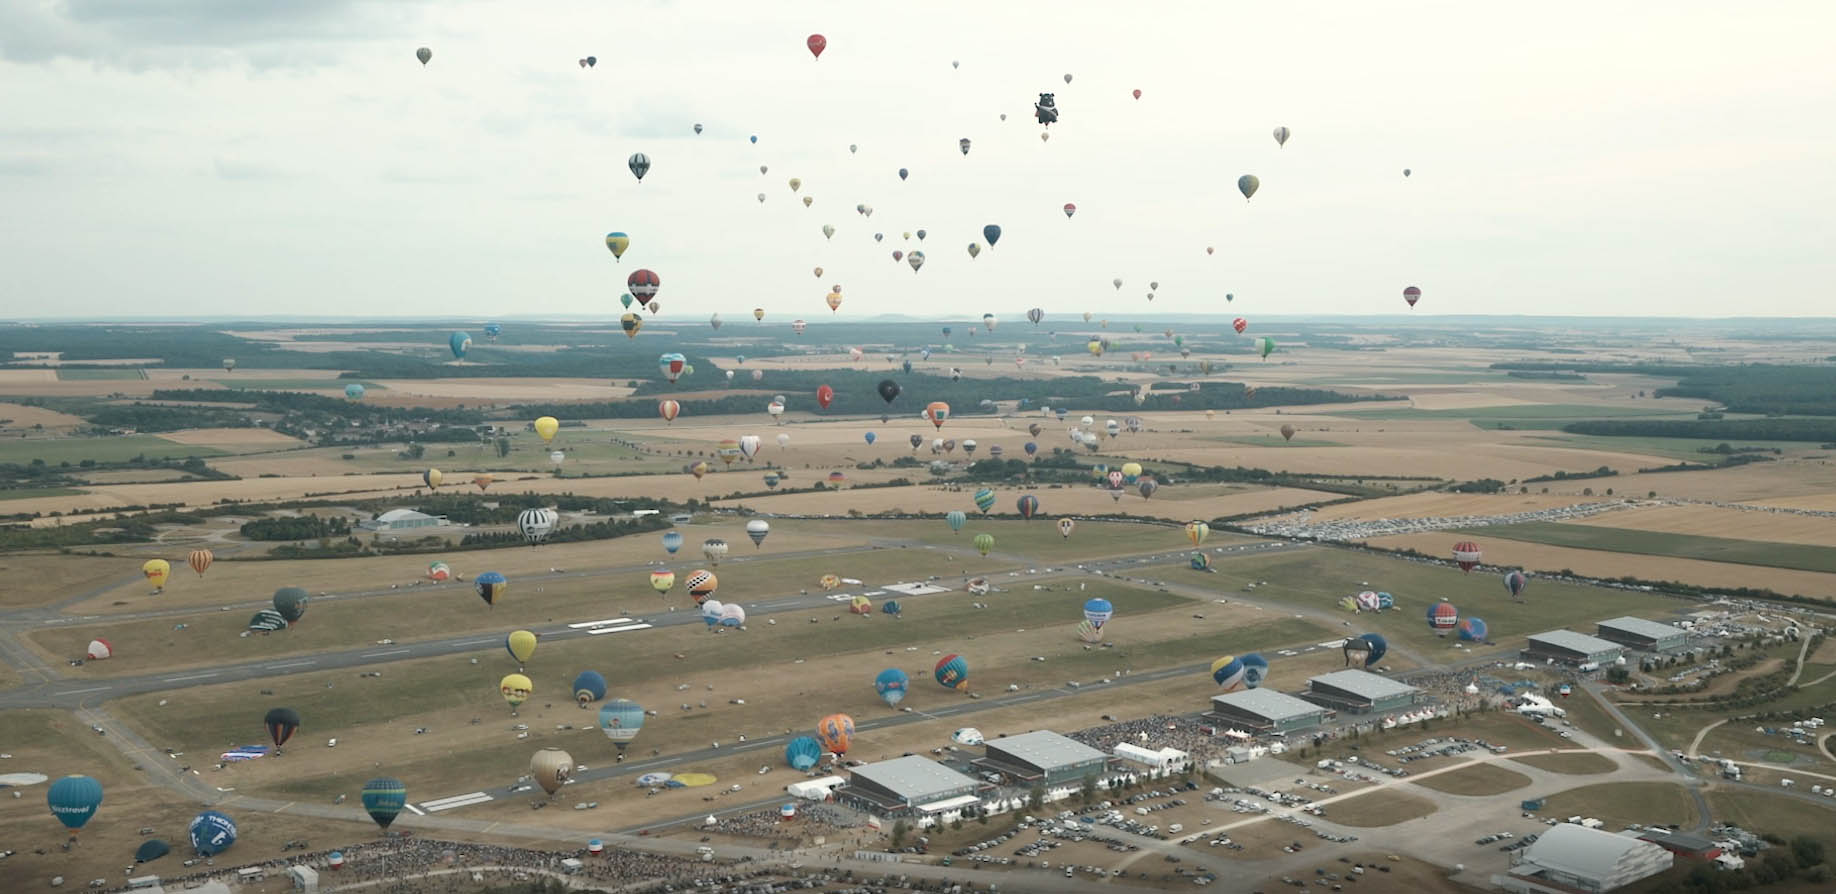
288, 664
475, 642
440, 804
81, 691
577, 626
189, 677
417, 811
599, 630
389, 652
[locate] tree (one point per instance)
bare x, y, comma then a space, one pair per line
1035, 798
1807, 851
503, 447
1617, 674
1090, 787
899, 830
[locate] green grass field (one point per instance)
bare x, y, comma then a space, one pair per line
1039, 539
1779, 815
1565, 413
111, 374
1798, 556
117, 449
1317, 577
23, 493
1579, 764
1619, 804
1379, 808
1689, 449
1484, 779
1587, 714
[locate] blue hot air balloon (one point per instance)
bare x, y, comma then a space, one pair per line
383, 798
353, 391
1098, 612
891, 684
589, 686
1369, 648
212, 832
150, 850
992, 233
73, 800
620, 719
803, 752
493, 330
953, 673
672, 541
1061, 413
459, 342
892, 607
1255, 668
755, 138
955, 518
870, 437
1031, 448
1228, 672
1472, 629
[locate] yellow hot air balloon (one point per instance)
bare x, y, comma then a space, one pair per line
829, 581
758, 313
521, 645
835, 300
1197, 532
200, 560
156, 570
516, 689
1131, 471
796, 183
432, 477
550, 768
546, 427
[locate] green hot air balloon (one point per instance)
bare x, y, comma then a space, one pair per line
1264, 346
383, 798
73, 800
984, 543
985, 499
291, 603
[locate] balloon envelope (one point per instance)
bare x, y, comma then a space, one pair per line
383, 799
621, 719
802, 752
589, 686
212, 832
73, 800
891, 685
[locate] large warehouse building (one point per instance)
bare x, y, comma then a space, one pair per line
1042, 758
1265, 710
909, 787
1359, 692
1643, 635
1570, 858
1569, 647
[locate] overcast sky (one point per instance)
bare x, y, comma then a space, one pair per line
232, 157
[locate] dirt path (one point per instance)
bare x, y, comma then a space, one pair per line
1696, 743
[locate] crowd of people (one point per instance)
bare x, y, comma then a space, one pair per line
810, 819
1185, 733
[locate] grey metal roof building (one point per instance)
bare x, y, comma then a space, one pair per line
1569, 647
1569, 858
1359, 691
1042, 757
906, 786
1643, 635
1266, 709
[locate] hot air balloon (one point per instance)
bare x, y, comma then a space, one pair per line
639, 163
483, 481
1255, 669
783, 440
663, 580
1248, 184
796, 326
1287, 432
984, 543
1146, 487
1281, 136
803, 752
1228, 671
516, 689
99, 649
870, 437
1098, 611
817, 43
1239, 324
702, 584
1265, 346
1199, 561
937, 412
892, 607
291, 603
1028, 506
423, 54
672, 541
952, 672
550, 769
917, 441
1442, 616
669, 410
150, 850
916, 259
459, 343
671, 365
714, 549
1367, 649
974, 250
280, 724
212, 832
589, 687
267, 621
1197, 532
73, 800
1472, 630
992, 234
621, 719
835, 733
353, 391
1466, 554
383, 798
617, 243
1411, 295
521, 645
156, 572
200, 560
890, 684
757, 529
432, 478
1405, 173
1515, 582
491, 587
955, 518
984, 499
536, 524
749, 446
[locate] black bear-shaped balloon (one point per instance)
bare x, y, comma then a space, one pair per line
1046, 109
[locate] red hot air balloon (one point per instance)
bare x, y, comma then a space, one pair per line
1239, 324
817, 43
1137, 94
643, 284
1411, 295
1070, 208
824, 396
1466, 554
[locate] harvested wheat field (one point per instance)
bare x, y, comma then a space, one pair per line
204, 493
1800, 483
233, 437
1194, 501
20, 416
506, 390
1535, 558
1713, 521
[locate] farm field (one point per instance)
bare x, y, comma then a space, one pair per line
1619, 804
1599, 536
116, 449
1723, 523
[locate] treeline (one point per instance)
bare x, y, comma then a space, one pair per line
154, 418
1602, 472
502, 509
135, 529
601, 530
299, 527
1772, 390
285, 402
1662, 370
1816, 430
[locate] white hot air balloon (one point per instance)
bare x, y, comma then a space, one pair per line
536, 524
757, 529
749, 446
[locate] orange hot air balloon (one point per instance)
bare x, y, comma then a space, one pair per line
668, 409
938, 412
483, 481
835, 300
825, 396
200, 560
836, 733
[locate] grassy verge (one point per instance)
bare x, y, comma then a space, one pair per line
1619, 804
1483, 779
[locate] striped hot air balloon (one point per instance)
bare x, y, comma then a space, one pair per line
1442, 616
1228, 671
1472, 630
1028, 506
383, 799
985, 499
1515, 582
1466, 554
200, 560
952, 672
